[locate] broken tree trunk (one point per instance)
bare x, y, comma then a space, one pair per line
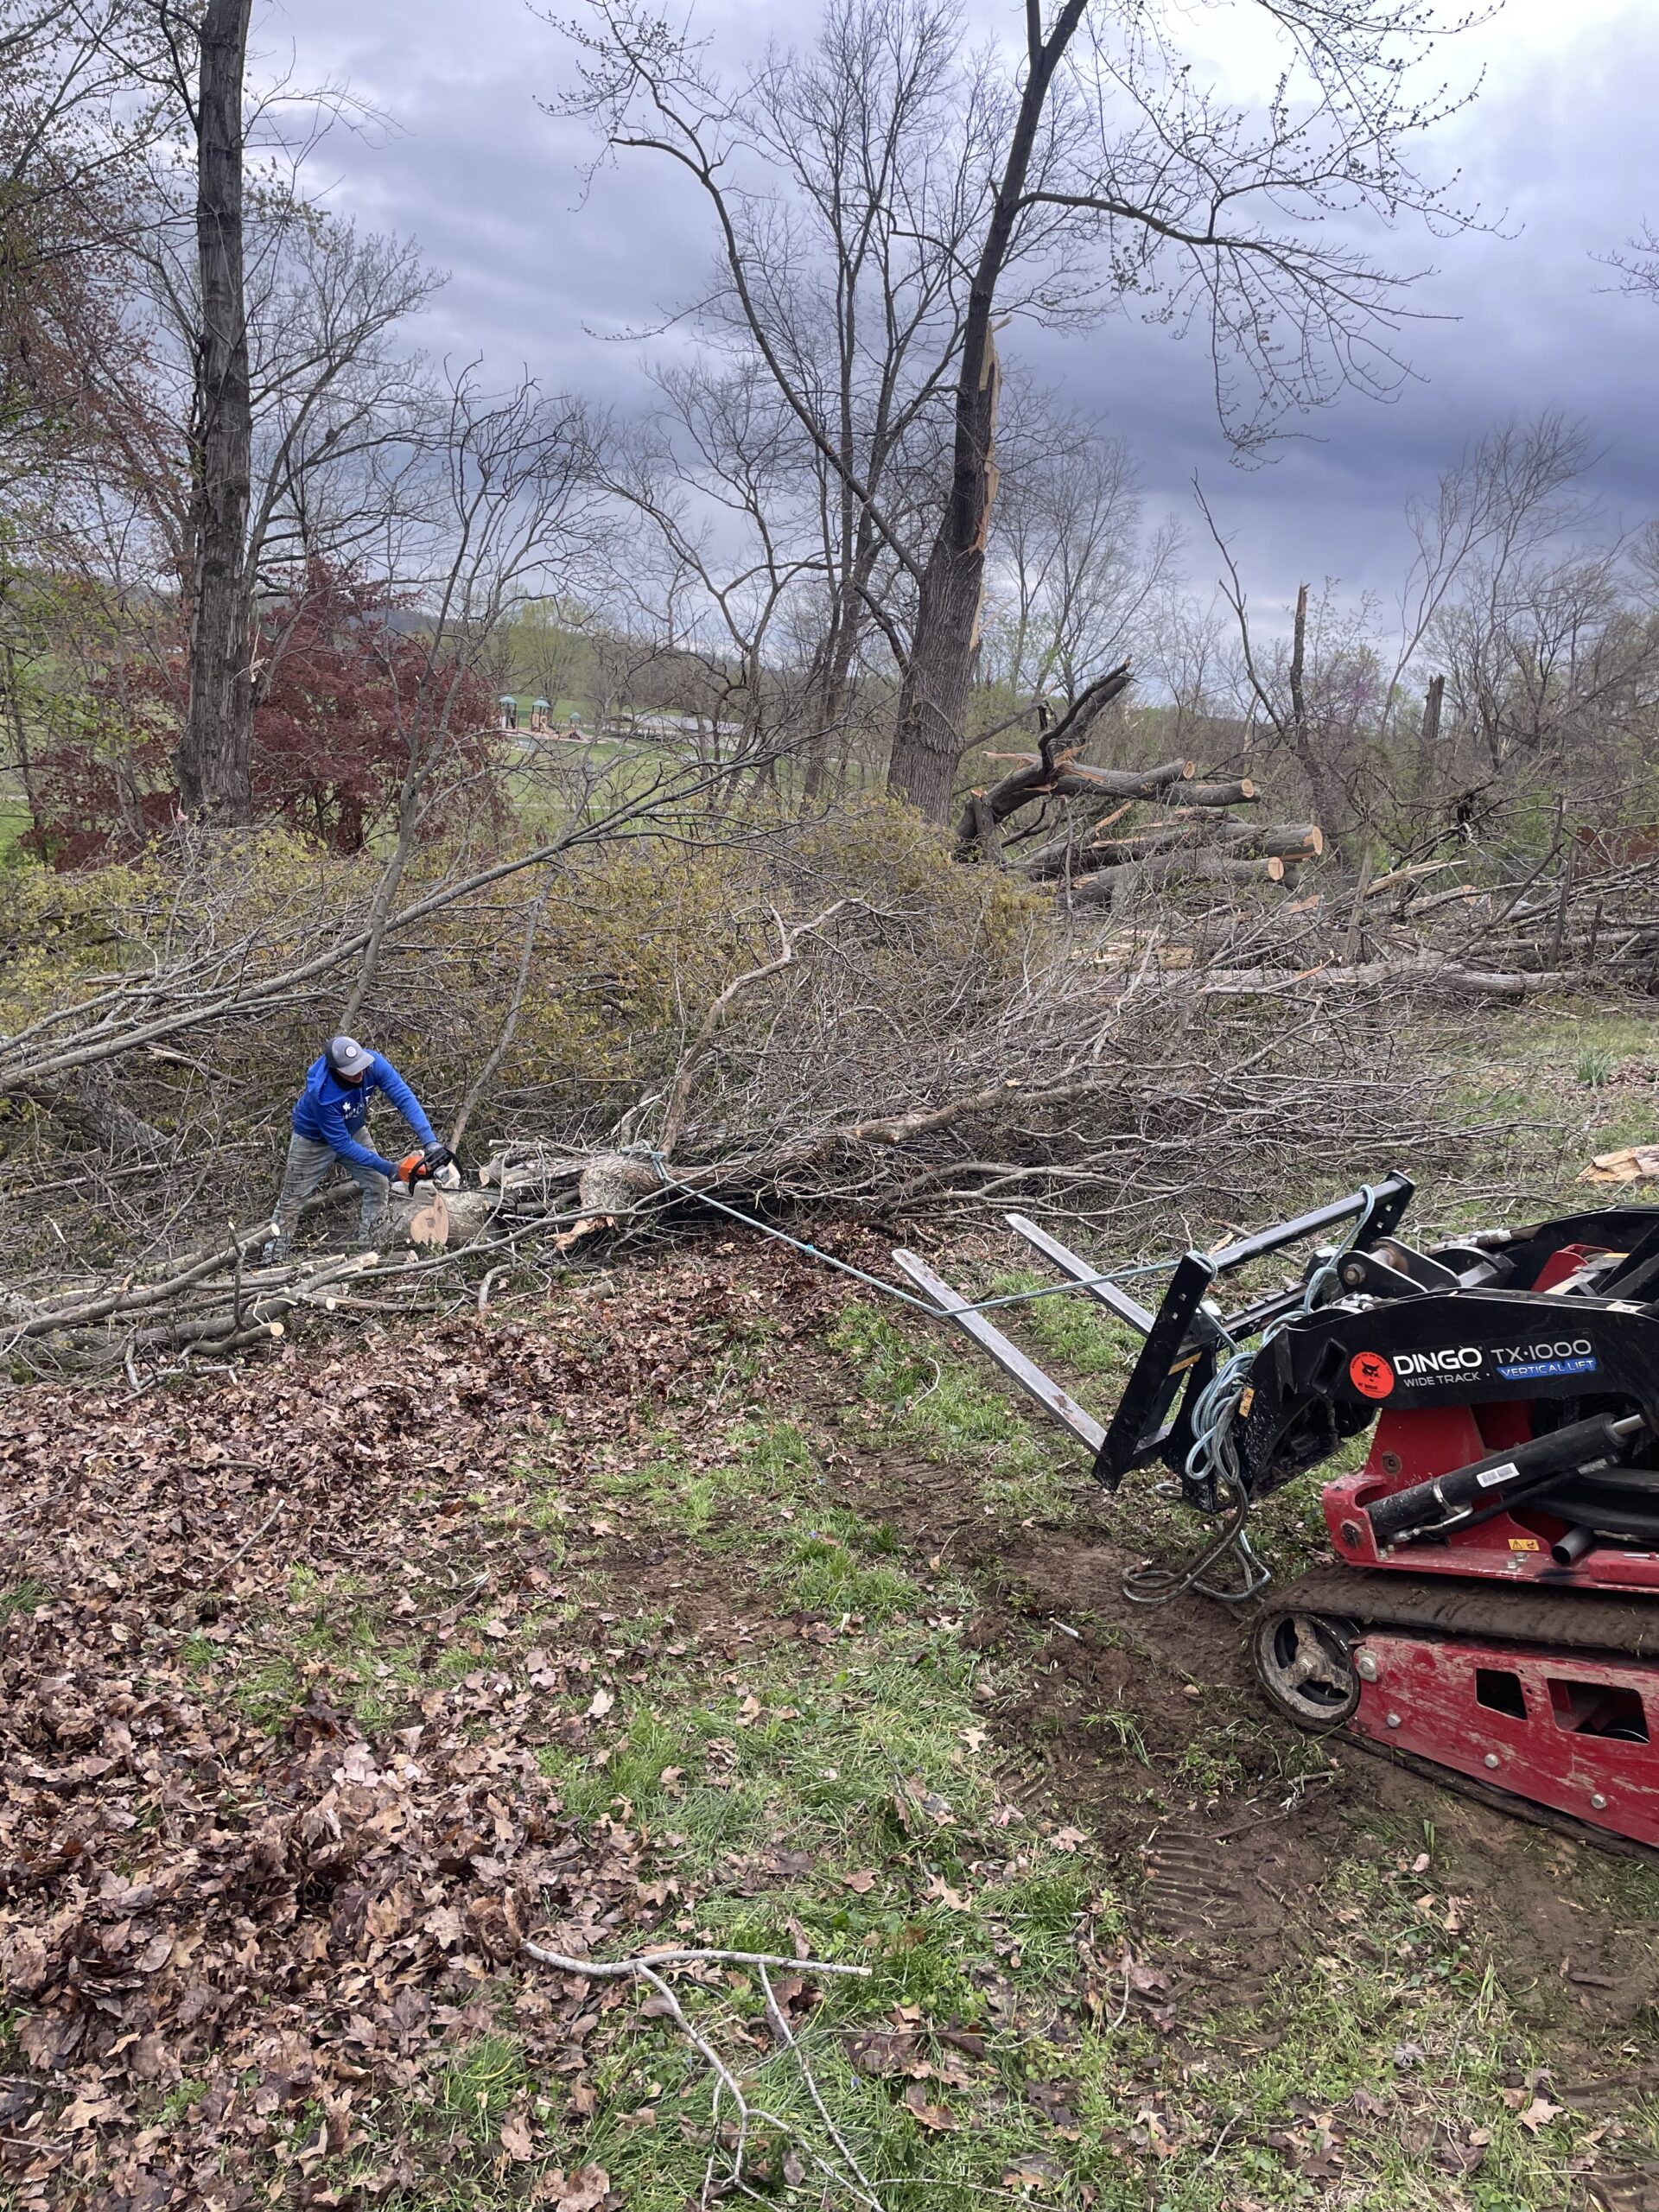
928, 736
1035, 774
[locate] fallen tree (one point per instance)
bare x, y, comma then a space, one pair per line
848, 1028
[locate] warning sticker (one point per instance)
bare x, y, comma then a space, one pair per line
1370, 1375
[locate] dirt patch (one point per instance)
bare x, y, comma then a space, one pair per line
1124, 1722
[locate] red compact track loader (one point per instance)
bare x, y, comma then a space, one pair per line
1491, 1613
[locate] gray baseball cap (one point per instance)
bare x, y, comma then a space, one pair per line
347, 1058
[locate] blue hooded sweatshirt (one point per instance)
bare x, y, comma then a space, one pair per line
331, 1112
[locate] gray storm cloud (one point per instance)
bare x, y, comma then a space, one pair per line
552, 273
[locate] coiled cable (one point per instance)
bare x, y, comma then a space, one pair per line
1213, 1461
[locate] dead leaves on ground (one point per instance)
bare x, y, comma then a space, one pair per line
234, 1919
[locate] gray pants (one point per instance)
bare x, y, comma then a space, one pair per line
309, 1164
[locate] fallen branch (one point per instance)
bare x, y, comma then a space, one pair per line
848, 2175
1050, 768
1427, 970
789, 935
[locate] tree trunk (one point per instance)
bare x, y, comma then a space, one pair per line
215, 762
929, 736
1308, 744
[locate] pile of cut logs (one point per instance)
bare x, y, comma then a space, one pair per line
1105, 861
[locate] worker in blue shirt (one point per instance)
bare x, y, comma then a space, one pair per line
330, 1117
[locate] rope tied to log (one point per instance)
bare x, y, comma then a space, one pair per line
671, 1181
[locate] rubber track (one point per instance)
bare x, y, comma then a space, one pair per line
1578, 1620
1500, 1800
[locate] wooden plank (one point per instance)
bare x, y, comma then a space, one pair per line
1114, 1300
1008, 1356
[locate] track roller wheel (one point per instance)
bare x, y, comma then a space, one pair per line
1303, 1663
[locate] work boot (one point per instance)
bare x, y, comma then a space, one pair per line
276, 1251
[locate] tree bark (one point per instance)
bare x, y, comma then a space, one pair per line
1110, 887
1102, 851
215, 761
1283, 841
929, 736
1241, 793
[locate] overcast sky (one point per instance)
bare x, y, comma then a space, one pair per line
1560, 145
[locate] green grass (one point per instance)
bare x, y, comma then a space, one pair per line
1576, 1084
834, 1747
919, 1392
1069, 1329
23, 1597
480, 2086
834, 1562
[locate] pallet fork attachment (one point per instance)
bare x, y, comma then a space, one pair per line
1183, 1336
1491, 1612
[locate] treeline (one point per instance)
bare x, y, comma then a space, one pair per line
261, 559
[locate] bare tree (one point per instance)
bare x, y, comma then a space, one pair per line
216, 749
1637, 264
503, 476
1114, 173
76, 125
843, 180
1316, 692
720, 543
1073, 573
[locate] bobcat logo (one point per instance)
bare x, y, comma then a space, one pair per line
1370, 1375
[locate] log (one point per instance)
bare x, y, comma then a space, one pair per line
1142, 844
1277, 840
1242, 793
1433, 970
1085, 855
1075, 780
1228, 868
1113, 886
